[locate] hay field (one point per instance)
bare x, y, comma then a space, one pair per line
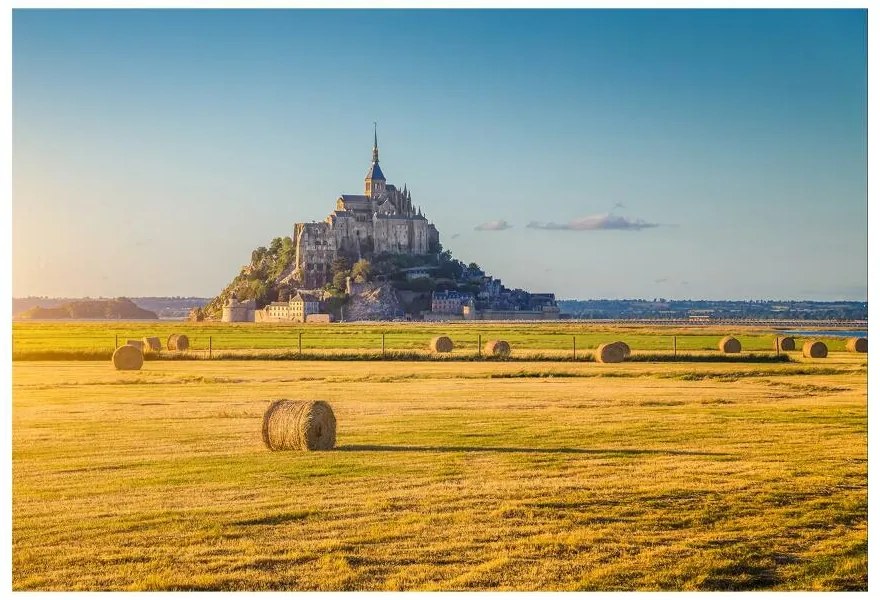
47, 340
446, 476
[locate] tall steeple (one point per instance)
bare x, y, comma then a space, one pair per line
375, 145
374, 182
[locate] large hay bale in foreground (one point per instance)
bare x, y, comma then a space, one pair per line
815, 349
497, 348
730, 345
128, 358
299, 425
857, 344
625, 347
785, 343
178, 341
610, 353
139, 344
153, 344
441, 343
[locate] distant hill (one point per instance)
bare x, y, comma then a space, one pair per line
119, 308
166, 307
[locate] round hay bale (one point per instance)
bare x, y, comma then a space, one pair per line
610, 353
178, 341
785, 343
299, 425
730, 345
128, 358
815, 349
153, 344
497, 348
139, 344
857, 344
625, 347
441, 343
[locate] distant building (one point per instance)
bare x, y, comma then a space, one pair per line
490, 288
302, 305
449, 303
382, 219
235, 311
279, 311
418, 272
539, 301
296, 310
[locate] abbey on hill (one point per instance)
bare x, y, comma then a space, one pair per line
375, 257
382, 219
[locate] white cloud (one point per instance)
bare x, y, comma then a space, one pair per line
496, 225
595, 223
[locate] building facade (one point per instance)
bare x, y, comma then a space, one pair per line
382, 219
235, 311
449, 303
296, 310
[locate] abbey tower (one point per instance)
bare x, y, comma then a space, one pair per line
383, 219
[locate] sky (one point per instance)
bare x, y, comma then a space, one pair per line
593, 154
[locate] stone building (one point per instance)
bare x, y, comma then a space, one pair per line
235, 311
297, 310
302, 305
382, 219
450, 302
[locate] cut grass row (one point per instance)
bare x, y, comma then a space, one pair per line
532, 337
393, 355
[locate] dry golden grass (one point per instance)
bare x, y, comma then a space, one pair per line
446, 476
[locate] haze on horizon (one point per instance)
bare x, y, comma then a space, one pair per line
591, 153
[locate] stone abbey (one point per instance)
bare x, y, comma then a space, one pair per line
382, 219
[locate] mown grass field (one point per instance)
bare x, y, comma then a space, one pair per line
30, 339
471, 475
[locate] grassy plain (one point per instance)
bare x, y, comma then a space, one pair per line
447, 476
31, 340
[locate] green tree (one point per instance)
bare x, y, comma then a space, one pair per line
339, 282
362, 271
340, 264
258, 255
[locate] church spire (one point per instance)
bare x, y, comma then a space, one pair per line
374, 182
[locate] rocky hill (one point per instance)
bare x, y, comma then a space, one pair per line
119, 308
373, 302
268, 278
264, 279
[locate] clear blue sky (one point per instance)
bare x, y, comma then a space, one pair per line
677, 154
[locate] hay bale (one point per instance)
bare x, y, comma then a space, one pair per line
610, 353
857, 344
815, 349
625, 347
178, 341
497, 348
730, 345
137, 344
153, 344
299, 425
128, 358
441, 343
785, 343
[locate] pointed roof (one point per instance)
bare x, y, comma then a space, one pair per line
375, 172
